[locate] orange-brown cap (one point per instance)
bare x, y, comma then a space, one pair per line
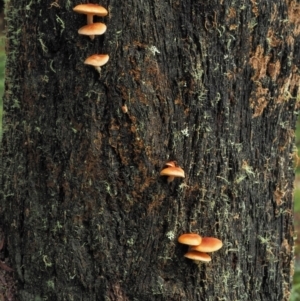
191, 239
92, 29
97, 60
171, 163
124, 109
173, 171
195, 255
90, 8
208, 244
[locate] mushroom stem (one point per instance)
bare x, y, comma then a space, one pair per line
90, 20
98, 69
170, 179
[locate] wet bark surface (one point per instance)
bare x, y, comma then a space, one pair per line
213, 86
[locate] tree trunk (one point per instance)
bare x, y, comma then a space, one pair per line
210, 84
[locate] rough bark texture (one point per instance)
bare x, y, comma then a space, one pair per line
210, 84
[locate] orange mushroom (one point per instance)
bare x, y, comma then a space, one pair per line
124, 109
208, 244
195, 255
191, 239
92, 29
90, 10
172, 172
171, 163
97, 60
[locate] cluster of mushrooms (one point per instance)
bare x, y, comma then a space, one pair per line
92, 29
198, 246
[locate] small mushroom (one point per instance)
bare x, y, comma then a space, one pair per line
90, 10
97, 60
124, 109
191, 239
171, 163
208, 244
200, 256
172, 172
92, 29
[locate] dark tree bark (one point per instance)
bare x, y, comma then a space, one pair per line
210, 84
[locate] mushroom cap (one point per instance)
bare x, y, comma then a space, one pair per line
191, 239
173, 171
195, 255
90, 8
171, 163
208, 244
92, 29
97, 60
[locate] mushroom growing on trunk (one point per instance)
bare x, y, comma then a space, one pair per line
90, 10
92, 29
97, 60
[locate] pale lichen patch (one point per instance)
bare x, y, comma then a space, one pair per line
290, 84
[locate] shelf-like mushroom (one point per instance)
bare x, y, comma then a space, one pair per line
172, 172
92, 29
97, 60
195, 255
208, 244
191, 239
90, 10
